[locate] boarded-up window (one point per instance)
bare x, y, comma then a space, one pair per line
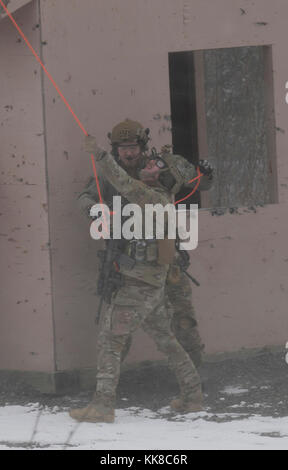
234, 113
237, 126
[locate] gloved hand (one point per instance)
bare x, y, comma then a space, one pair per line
206, 168
91, 146
93, 213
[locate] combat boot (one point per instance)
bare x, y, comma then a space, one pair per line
94, 413
184, 404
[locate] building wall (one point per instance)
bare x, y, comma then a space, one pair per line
26, 332
110, 59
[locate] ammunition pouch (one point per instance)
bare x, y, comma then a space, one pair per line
149, 251
174, 274
166, 251
142, 250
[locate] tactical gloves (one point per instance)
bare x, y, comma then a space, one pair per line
206, 168
91, 146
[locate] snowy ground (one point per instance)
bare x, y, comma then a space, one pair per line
246, 407
139, 429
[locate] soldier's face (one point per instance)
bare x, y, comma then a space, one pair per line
129, 154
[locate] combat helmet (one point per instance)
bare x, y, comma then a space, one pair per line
128, 131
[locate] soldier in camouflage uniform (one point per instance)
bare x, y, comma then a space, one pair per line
141, 299
178, 290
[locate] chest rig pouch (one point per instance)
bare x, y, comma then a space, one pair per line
166, 251
149, 251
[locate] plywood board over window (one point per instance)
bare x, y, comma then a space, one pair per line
222, 106
239, 126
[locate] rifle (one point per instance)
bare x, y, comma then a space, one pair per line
191, 278
109, 278
184, 263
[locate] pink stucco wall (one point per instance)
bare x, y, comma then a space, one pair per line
113, 63
110, 59
26, 333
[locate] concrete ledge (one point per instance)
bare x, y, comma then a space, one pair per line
63, 382
244, 353
44, 382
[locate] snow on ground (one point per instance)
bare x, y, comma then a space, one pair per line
234, 390
137, 428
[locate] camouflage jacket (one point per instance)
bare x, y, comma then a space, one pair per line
188, 172
114, 181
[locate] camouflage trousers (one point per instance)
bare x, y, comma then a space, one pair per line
184, 323
178, 298
139, 303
